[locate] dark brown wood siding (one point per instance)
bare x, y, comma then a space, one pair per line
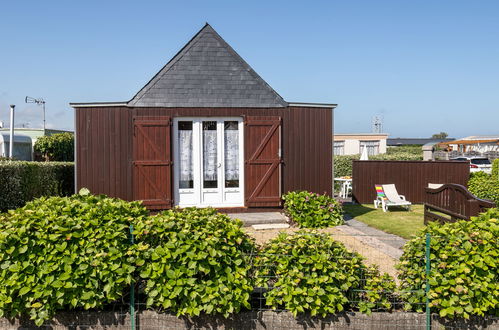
104, 151
410, 177
104, 145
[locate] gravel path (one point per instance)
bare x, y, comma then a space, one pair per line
377, 247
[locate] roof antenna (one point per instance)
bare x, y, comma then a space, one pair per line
377, 124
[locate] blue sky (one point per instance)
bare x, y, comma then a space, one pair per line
423, 66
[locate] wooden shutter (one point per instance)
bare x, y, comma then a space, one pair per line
262, 155
152, 179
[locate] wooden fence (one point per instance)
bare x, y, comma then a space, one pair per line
454, 201
410, 177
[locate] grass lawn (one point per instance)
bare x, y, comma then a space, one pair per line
396, 221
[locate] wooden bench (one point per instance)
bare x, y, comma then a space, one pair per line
452, 202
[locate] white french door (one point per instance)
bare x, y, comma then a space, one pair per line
208, 161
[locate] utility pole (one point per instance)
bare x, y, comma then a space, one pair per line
11, 137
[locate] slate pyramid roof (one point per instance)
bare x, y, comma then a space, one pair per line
207, 72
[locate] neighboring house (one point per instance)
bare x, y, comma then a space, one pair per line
476, 143
22, 149
206, 130
397, 142
24, 140
354, 143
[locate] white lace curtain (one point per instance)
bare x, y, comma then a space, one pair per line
186, 159
210, 155
210, 164
231, 141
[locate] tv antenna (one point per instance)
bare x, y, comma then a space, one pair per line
377, 124
38, 101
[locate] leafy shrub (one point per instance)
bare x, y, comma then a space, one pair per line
411, 149
195, 260
22, 181
495, 169
56, 147
343, 165
311, 210
484, 186
310, 272
398, 156
464, 277
65, 252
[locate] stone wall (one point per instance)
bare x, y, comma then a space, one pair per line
265, 320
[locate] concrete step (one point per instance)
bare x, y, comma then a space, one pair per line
260, 218
270, 226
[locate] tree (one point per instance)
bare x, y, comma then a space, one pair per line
441, 135
56, 147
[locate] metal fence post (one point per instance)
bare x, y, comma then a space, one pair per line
132, 290
427, 286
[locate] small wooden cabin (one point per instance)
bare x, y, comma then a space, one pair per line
206, 130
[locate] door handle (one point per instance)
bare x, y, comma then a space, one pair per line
219, 165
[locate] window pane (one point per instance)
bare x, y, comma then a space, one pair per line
339, 147
372, 147
210, 165
186, 167
231, 151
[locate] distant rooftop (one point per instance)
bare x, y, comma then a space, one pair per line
481, 137
414, 141
366, 134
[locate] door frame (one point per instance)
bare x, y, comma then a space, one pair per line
197, 150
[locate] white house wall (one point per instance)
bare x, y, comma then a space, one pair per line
352, 142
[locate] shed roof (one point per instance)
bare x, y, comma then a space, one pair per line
207, 72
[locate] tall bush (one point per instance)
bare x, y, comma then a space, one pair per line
484, 186
311, 210
65, 252
195, 261
309, 272
21, 181
464, 276
56, 147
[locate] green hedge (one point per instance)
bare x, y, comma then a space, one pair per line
464, 277
311, 210
65, 252
495, 169
21, 182
412, 149
310, 272
195, 261
343, 164
484, 186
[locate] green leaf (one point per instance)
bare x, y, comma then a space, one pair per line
23, 291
